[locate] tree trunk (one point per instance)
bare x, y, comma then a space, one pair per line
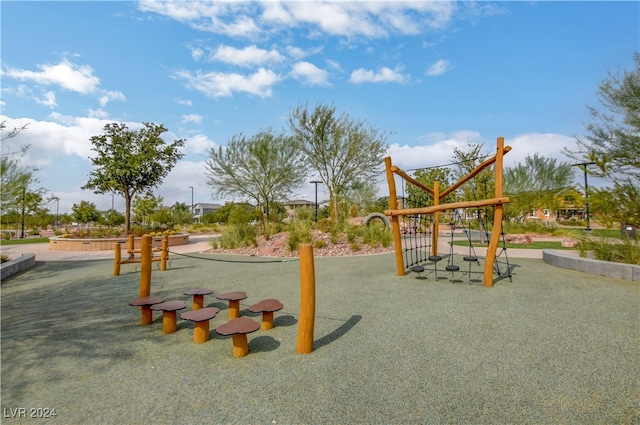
127, 214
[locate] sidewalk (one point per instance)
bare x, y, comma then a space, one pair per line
197, 243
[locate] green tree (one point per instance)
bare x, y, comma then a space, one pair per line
611, 147
181, 214
129, 162
264, 168
340, 149
85, 212
416, 197
112, 218
482, 186
144, 206
536, 184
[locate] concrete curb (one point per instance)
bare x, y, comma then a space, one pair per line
588, 265
12, 267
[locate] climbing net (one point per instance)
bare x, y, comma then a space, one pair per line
413, 216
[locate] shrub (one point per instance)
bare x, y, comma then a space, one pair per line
376, 234
320, 243
238, 235
299, 232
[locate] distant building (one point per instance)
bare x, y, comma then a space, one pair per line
292, 206
201, 209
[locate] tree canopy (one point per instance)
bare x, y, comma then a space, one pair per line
611, 146
128, 162
340, 149
538, 183
265, 168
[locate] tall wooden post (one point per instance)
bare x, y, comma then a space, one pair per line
395, 221
436, 219
164, 255
117, 259
145, 266
497, 218
307, 300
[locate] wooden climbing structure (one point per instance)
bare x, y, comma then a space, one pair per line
438, 194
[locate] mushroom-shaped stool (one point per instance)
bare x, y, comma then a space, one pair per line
234, 302
266, 307
145, 304
169, 308
198, 296
200, 319
238, 329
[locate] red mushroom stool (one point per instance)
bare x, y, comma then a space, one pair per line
266, 307
234, 302
145, 304
169, 308
198, 296
200, 319
238, 329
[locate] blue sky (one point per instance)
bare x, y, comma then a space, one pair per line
433, 75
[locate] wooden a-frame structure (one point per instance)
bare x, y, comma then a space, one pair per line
498, 201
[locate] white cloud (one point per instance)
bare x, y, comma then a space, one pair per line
98, 113
219, 84
108, 96
185, 102
65, 74
48, 99
197, 53
310, 74
194, 118
341, 18
384, 75
439, 68
437, 148
199, 144
248, 56
50, 140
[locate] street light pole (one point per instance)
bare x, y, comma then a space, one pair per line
57, 210
315, 182
191, 187
112, 202
584, 165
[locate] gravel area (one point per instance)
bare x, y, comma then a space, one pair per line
553, 346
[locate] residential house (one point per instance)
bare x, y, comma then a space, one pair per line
201, 209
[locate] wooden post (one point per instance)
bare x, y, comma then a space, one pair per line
234, 309
395, 221
165, 253
240, 345
307, 300
201, 332
145, 266
131, 246
169, 320
497, 218
436, 219
146, 315
117, 259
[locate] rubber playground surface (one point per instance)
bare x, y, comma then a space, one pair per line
551, 346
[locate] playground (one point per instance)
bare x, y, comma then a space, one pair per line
550, 345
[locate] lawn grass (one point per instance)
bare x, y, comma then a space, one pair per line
532, 245
23, 241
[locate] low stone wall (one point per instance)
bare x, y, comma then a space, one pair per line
588, 265
68, 244
17, 265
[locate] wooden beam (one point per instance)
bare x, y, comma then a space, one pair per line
475, 172
411, 180
450, 206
